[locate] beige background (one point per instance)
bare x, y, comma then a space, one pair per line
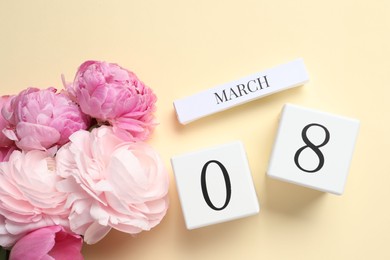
181, 47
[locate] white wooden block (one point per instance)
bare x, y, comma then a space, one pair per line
313, 149
258, 85
215, 185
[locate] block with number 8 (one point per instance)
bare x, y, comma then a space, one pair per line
313, 149
215, 185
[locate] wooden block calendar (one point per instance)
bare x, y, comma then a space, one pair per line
312, 148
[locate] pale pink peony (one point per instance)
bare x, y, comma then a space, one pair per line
4, 141
48, 243
28, 195
114, 95
113, 184
41, 119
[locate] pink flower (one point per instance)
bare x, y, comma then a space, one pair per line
113, 184
28, 195
41, 119
112, 94
4, 141
7, 146
48, 243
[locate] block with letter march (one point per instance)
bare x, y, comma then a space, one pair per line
237, 92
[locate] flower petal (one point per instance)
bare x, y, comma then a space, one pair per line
34, 245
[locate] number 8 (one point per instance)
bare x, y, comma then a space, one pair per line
313, 147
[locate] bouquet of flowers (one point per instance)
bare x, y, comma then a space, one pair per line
74, 164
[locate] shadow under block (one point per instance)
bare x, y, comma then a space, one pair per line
215, 185
313, 149
237, 92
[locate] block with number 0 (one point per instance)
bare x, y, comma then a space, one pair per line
215, 185
313, 149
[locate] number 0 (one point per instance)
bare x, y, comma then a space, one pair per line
227, 185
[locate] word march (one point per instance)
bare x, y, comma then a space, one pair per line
239, 90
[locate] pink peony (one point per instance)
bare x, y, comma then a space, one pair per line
114, 95
28, 195
4, 141
113, 184
48, 243
41, 119
7, 146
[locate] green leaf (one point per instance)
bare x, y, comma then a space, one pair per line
4, 254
